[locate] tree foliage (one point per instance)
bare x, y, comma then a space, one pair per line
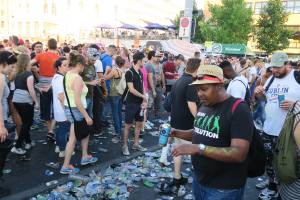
231, 22
272, 34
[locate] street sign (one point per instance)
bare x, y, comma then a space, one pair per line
185, 27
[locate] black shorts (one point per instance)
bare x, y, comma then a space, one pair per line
46, 105
132, 112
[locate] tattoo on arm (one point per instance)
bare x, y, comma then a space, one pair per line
226, 154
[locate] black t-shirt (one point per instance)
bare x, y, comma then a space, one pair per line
216, 126
136, 78
21, 80
182, 92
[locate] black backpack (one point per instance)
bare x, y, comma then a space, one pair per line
256, 155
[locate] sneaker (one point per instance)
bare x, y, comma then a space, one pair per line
51, 137
267, 194
150, 123
116, 139
27, 146
125, 151
138, 148
62, 154
178, 182
18, 151
56, 149
164, 163
88, 160
147, 126
262, 185
69, 170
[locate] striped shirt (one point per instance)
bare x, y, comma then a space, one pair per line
292, 191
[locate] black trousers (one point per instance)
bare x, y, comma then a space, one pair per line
26, 112
97, 110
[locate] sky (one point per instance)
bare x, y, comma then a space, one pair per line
135, 11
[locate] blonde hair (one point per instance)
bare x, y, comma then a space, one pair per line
23, 60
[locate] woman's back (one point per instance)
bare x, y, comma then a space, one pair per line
69, 78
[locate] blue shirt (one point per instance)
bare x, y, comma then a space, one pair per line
106, 61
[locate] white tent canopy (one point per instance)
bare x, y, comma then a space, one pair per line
179, 47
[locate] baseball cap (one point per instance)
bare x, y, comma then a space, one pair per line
209, 74
138, 56
92, 54
278, 59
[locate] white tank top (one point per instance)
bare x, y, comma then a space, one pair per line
275, 116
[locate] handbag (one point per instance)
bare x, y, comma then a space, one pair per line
81, 128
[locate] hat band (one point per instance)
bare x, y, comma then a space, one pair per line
209, 78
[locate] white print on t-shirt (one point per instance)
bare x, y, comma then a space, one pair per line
273, 92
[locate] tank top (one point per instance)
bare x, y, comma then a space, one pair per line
114, 83
69, 80
275, 116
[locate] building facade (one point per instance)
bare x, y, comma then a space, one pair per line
293, 23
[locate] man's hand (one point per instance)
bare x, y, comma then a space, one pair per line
94, 82
286, 104
259, 90
89, 121
185, 149
145, 99
3, 134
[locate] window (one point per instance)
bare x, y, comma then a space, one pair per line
292, 6
2, 12
259, 7
27, 28
45, 7
20, 27
36, 28
2, 24
297, 6
53, 9
289, 6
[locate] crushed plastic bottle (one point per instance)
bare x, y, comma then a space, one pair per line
93, 188
181, 191
50, 183
189, 197
82, 178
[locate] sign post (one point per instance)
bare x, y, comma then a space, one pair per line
185, 27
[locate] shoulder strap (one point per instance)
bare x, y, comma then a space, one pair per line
241, 82
67, 97
235, 105
297, 76
270, 83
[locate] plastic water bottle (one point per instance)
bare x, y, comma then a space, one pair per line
164, 134
142, 113
50, 183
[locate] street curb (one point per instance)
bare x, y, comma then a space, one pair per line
26, 194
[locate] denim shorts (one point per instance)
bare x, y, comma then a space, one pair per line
77, 114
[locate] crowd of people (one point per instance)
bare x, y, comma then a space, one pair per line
216, 104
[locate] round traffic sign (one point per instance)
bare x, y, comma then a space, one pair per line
185, 22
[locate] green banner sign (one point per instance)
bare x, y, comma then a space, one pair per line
234, 49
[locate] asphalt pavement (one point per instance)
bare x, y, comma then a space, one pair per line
28, 178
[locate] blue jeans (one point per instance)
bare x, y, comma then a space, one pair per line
106, 109
204, 193
62, 131
259, 113
116, 108
89, 108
